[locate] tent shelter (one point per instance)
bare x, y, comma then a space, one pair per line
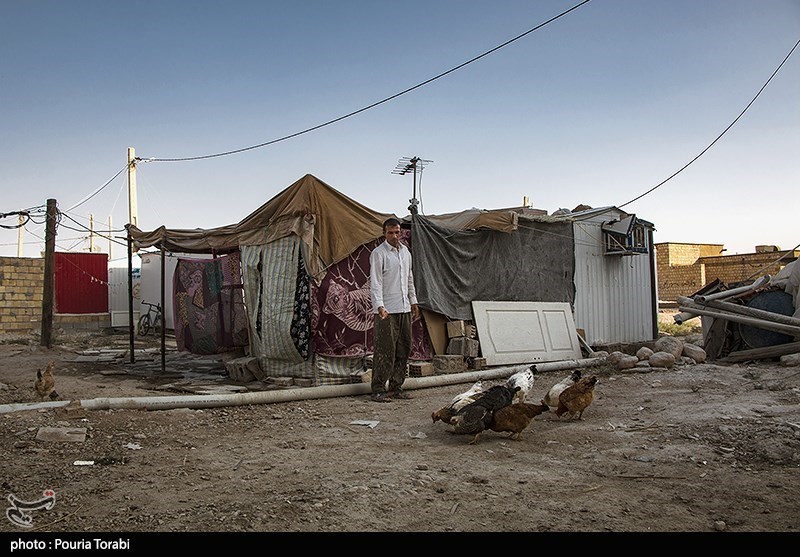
304, 262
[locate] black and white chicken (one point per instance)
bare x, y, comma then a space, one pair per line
523, 380
476, 416
459, 401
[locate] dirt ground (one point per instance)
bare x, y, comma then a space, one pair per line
697, 448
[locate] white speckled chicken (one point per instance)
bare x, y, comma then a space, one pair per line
459, 401
523, 380
551, 398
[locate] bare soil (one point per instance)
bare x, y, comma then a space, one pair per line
696, 448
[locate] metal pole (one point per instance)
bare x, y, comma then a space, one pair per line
763, 281
130, 293
163, 313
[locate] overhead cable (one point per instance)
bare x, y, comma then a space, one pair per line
685, 166
373, 105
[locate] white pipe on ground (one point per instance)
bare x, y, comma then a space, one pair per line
287, 395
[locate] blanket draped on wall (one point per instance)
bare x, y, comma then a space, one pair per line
209, 306
453, 268
278, 305
343, 320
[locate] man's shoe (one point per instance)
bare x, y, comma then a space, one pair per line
400, 394
380, 397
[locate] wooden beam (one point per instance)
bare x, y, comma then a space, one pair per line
746, 320
762, 353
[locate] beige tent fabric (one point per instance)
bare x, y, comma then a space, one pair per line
504, 220
330, 224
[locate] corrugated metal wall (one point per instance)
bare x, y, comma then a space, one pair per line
81, 283
613, 294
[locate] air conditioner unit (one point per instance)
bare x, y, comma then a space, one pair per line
626, 236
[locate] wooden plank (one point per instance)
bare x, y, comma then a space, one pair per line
744, 310
752, 321
436, 323
762, 353
715, 338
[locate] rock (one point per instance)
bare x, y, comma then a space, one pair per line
643, 353
662, 359
627, 362
694, 352
790, 360
720, 526
615, 357
670, 344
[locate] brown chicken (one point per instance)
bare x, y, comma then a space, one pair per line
45, 383
476, 416
551, 398
514, 418
576, 398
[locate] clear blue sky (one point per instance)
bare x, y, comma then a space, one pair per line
594, 108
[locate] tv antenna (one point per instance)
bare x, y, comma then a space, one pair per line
410, 164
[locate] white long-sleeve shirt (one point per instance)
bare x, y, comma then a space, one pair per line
391, 279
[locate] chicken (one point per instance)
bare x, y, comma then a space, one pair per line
45, 383
551, 398
459, 401
523, 380
576, 398
476, 416
516, 417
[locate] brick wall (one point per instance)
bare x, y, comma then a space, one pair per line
21, 289
683, 269
21, 292
731, 269
677, 268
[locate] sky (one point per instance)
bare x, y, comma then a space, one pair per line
596, 107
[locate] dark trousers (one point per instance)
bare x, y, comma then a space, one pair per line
392, 347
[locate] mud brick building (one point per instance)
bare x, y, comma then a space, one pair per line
684, 268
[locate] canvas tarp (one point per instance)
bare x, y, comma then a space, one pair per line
452, 268
330, 225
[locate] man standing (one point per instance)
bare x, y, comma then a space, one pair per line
394, 302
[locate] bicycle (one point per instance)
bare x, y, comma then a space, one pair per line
150, 320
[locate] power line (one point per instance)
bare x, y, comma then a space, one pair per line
373, 105
98, 190
685, 166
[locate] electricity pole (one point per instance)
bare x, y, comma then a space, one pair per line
49, 274
133, 211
